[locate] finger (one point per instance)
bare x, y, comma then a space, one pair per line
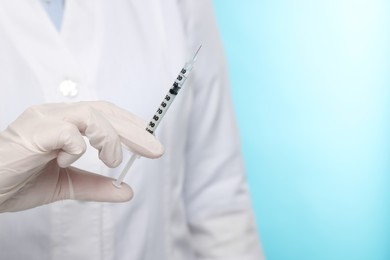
87, 186
96, 128
103, 137
55, 184
72, 147
131, 130
62, 136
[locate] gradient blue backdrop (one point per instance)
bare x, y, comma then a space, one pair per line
311, 85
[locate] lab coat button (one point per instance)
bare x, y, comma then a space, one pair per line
69, 88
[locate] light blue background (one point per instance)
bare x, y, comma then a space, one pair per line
311, 82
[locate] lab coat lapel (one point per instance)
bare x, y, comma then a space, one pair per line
82, 34
55, 56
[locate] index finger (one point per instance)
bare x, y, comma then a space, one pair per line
131, 129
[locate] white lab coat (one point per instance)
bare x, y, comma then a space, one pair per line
190, 204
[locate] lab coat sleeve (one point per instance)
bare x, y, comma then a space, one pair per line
219, 211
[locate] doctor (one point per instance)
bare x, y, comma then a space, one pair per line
192, 203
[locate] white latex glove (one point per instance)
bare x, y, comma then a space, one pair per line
37, 149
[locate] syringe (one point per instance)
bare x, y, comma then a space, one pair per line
162, 109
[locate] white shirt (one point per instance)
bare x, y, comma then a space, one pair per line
192, 203
55, 10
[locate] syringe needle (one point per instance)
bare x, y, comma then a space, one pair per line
196, 54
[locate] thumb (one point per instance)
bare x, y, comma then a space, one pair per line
64, 183
82, 185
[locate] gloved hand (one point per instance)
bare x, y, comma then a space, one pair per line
37, 149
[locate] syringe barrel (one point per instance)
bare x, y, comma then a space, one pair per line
169, 97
